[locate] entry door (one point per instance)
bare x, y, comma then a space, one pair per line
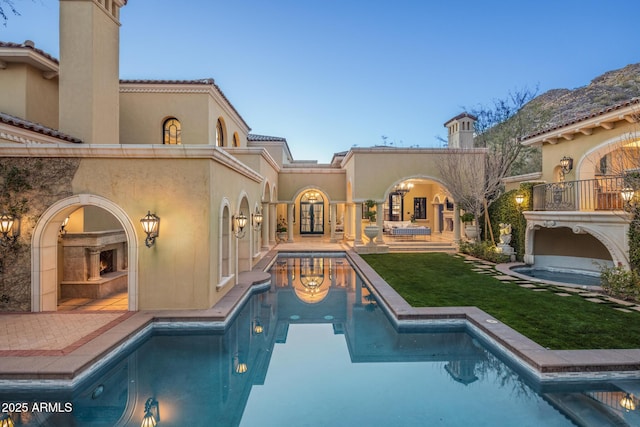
311, 218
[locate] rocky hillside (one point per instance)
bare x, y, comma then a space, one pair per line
612, 87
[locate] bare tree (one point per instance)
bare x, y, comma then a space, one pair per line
7, 6
498, 129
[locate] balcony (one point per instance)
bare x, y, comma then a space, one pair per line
599, 194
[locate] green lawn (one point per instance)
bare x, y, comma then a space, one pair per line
555, 322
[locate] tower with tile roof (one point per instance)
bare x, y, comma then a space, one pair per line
460, 131
89, 69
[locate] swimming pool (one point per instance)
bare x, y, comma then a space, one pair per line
562, 276
316, 349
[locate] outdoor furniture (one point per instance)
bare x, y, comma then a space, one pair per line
411, 232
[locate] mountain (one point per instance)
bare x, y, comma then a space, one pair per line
562, 105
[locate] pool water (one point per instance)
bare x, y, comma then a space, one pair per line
316, 349
573, 278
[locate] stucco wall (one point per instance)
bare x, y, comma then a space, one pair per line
562, 241
331, 182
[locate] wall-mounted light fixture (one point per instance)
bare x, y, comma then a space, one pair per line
9, 228
151, 226
62, 231
238, 224
256, 219
566, 163
627, 194
6, 420
151, 413
519, 199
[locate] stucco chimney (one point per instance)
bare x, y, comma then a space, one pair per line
89, 69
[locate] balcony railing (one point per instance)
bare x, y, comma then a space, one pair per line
599, 194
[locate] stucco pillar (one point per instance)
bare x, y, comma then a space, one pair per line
348, 222
379, 222
94, 264
358, 215
290, 222
266, 225
332, 219
456, 223
273, 220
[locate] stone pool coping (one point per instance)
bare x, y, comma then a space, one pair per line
67, 367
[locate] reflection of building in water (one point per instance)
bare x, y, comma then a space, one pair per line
615, 405
463, 371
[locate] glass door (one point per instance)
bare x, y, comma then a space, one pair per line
311, 213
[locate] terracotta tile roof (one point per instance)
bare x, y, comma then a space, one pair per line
265, 138
207, 81
28, 44
579, 119
460, 116
36, 127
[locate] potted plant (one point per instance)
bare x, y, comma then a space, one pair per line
371, 230
281, 229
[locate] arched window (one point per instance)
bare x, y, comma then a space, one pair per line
219, 134
171, 131
236, 140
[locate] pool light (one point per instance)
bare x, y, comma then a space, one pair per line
151, 413
238, 223
151, 226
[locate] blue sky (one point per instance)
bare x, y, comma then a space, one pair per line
331, 74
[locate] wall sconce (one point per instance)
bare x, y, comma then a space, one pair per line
9, 228
627, 194
151, 226
151, 413
62, 231
239, 367
6, 420
519, 199
566, 163
238, 224
627, 402
256, 220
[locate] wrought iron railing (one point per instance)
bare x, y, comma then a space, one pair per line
603, 193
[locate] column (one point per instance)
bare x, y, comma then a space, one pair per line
332, 219
94, 264
358, 214
266, 225
290, 222
273, 221
348, 222
456, 223
379, 221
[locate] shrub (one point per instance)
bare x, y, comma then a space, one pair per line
484, 250
620, 282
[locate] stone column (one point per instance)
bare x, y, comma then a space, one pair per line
94, 264
332, 220
348, 222
273, 221
358, 214
379, 222
290, 222
266, 225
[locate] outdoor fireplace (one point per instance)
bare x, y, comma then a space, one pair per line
94, 264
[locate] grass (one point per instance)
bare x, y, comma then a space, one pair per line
555, 322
